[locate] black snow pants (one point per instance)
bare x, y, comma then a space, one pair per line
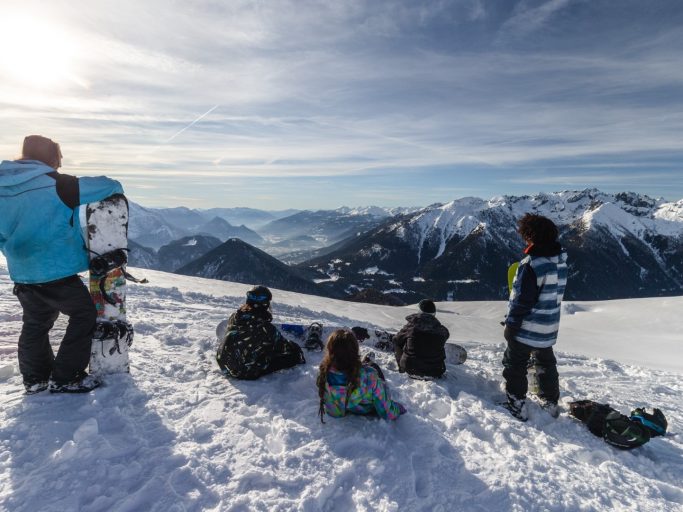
515, 362
42, 304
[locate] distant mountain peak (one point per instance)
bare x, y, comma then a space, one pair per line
218, 222
236, 260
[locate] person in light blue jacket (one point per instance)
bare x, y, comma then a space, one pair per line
40, 236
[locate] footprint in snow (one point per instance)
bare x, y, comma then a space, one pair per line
423, 484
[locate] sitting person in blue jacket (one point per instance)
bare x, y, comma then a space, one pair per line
41, 238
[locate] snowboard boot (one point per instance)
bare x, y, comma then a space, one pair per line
35, 387
369, 358
385, 340
516, 407
84, 384
313, 339
551, 408
361, 333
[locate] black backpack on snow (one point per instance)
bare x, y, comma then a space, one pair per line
656, 422
606, 422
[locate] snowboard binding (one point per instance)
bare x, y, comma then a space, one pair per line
361, 333
103, 263
314, 338
118, 331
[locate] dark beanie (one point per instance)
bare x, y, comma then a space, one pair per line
37, 147
427, 306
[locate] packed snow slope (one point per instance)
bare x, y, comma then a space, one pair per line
174, 435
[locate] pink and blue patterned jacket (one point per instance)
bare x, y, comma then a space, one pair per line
371, 397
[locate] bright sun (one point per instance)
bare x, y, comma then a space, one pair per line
36, 53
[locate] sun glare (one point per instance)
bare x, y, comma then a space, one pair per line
36, 53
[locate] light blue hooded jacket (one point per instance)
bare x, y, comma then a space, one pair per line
40, 235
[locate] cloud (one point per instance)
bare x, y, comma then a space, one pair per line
356, 89
571, 180
526, 19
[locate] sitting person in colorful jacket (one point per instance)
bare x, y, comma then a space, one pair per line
347, 385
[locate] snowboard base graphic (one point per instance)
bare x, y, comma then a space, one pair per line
105, 231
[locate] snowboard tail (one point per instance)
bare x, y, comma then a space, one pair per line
105, 231
455, 354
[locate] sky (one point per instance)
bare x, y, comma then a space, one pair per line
318, 104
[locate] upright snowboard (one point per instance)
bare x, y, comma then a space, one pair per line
105, 230
512, 272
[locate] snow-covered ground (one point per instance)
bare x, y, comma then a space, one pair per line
175, 435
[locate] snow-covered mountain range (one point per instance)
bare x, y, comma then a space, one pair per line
327, 227
283, 232
622, 245
174, 434
155, 227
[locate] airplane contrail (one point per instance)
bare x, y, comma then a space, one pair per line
192, 123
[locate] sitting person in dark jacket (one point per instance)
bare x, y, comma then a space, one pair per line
252, 345
419, 345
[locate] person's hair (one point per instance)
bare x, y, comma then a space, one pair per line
257, 311
342, 354
537, 229
37, 147
246, 308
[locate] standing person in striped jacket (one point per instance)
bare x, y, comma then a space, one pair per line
533, 317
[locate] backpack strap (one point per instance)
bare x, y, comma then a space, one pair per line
68, 191
68, 188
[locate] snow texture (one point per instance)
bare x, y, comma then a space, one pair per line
174, 435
